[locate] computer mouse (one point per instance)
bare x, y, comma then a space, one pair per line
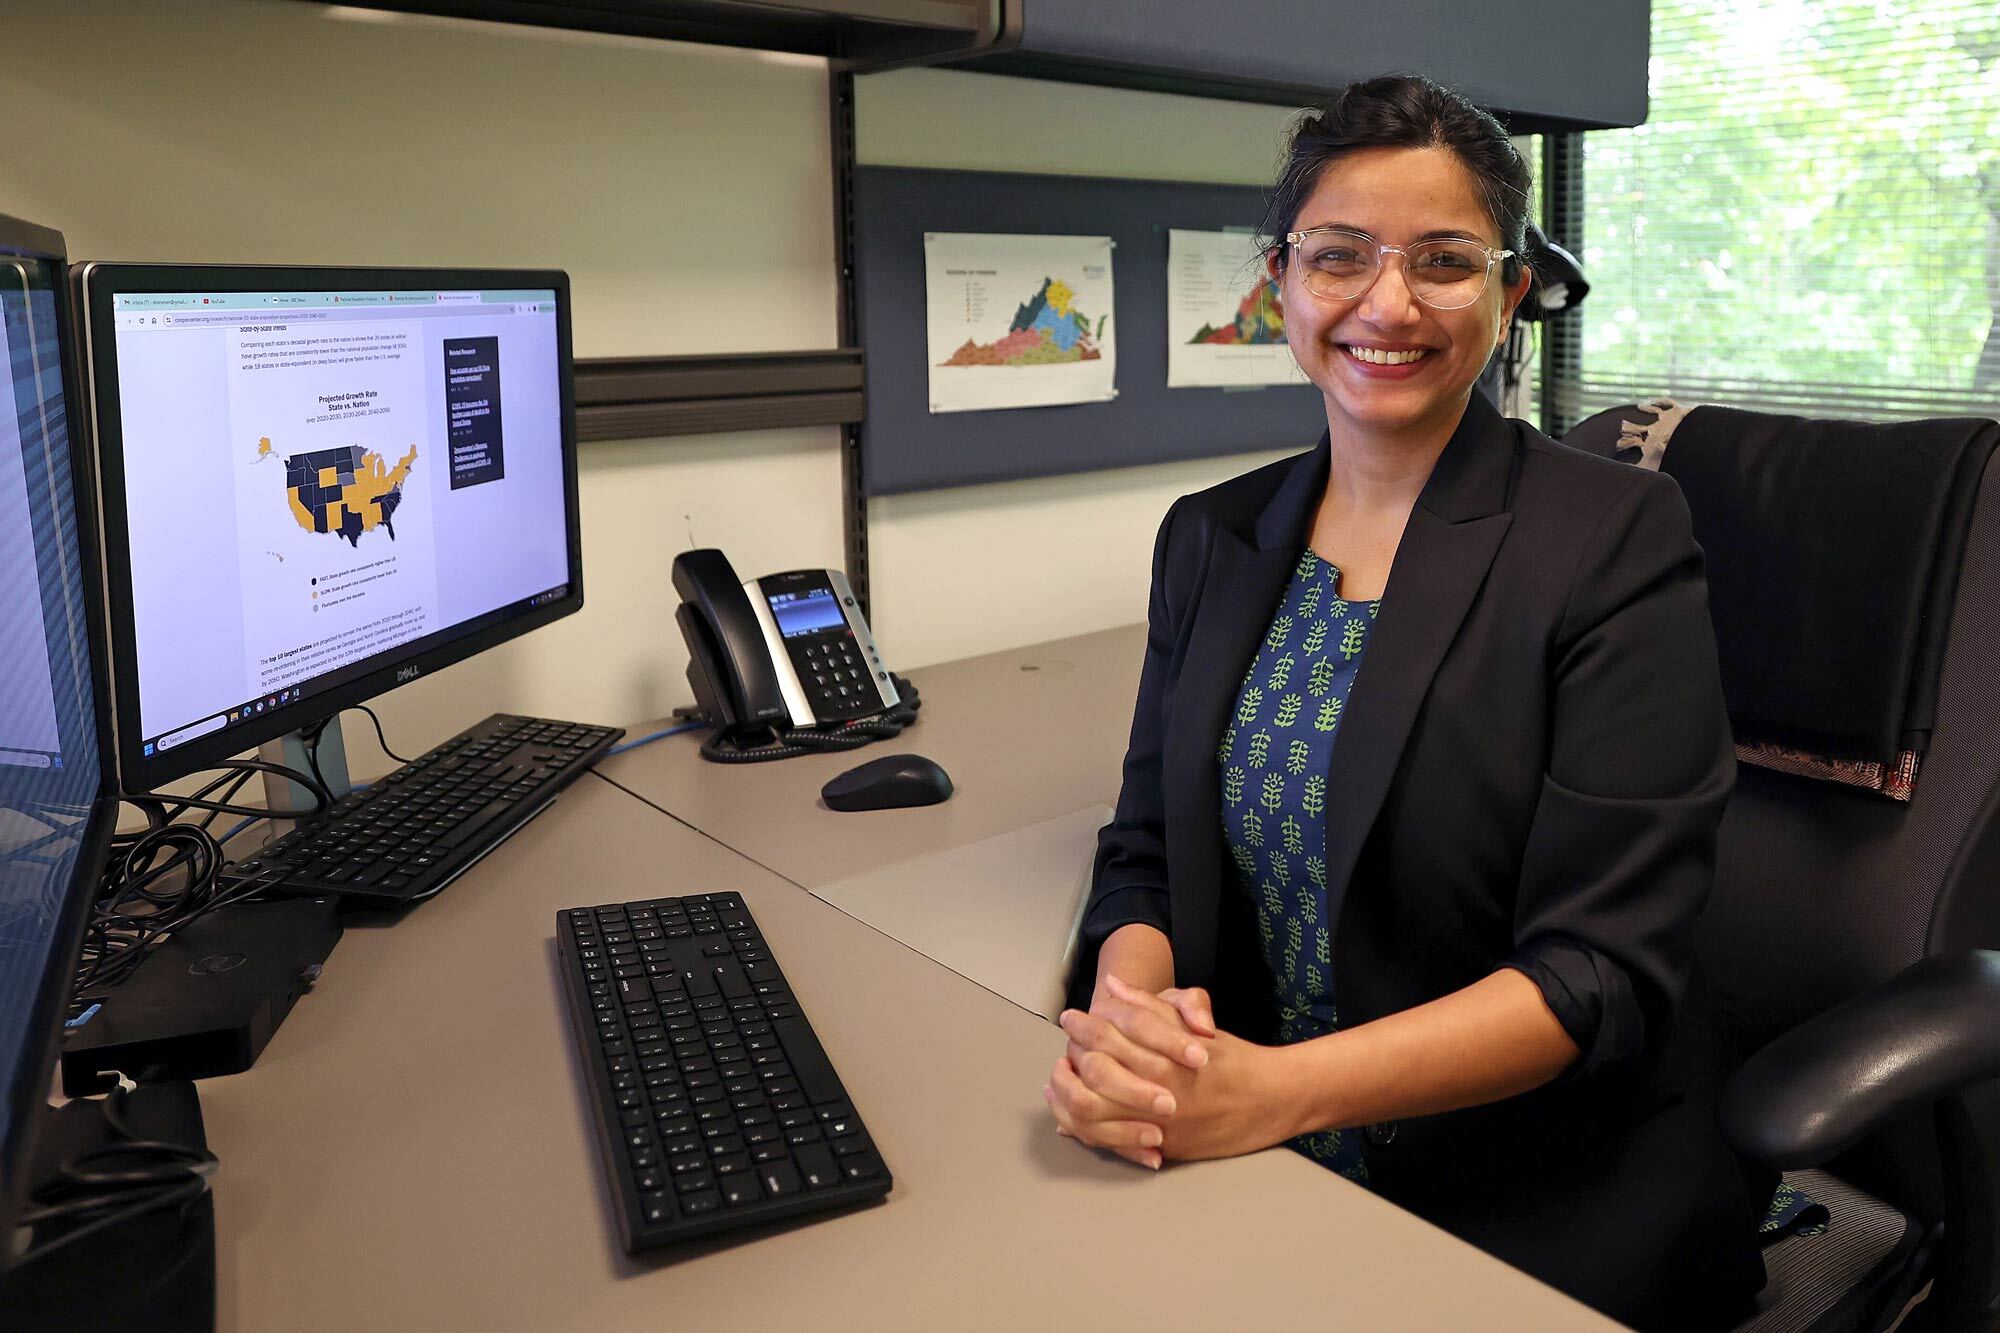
888, 783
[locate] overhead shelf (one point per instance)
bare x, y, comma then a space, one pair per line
873, 32
1541, 65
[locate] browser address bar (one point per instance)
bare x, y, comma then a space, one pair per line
242, 317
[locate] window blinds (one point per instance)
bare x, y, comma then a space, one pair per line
1808, 222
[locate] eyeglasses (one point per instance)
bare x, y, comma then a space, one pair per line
1340, 265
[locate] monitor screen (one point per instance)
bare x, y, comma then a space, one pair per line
51, 769
317, 485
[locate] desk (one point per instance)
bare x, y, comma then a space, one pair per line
990, 882
412, 1150
1026, 735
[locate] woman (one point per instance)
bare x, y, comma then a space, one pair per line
1424, 777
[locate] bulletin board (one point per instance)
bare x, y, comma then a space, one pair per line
906, 447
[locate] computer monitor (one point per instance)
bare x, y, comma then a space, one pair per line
55, 811
318, 484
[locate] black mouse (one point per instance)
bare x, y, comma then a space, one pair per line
888, 783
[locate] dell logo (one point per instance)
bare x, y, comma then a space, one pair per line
407, 673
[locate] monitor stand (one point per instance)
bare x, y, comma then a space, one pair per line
154, 1272
281, 793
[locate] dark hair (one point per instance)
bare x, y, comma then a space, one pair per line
1404, 111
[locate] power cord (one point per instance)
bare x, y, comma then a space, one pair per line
117, 1181
722, 749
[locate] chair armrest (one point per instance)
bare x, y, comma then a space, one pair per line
1929, 1031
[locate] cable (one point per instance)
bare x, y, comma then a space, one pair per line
381, 739
167, 875
310, 735
721, 749
623, 746
117, 1181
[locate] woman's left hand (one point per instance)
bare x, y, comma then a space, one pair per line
1240, 1101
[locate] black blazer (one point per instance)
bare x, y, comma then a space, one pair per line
1529, 774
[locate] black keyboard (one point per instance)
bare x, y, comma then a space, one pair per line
408, 835
716, 1106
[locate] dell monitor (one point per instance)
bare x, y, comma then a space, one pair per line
317, 484
55, 811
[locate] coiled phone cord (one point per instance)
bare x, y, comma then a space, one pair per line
822, 740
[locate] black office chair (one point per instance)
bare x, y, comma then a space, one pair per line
1854, 578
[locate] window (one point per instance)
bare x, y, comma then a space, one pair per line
1809, 220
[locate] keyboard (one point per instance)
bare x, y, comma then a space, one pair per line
414, 831
715, 1106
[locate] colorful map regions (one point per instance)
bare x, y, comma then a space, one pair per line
1260, 318
345, 491
1047, 330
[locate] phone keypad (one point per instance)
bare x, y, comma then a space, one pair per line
839, 676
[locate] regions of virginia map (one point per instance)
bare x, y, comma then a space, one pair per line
346, 491
1018, 320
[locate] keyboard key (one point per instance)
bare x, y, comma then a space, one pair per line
730, 975
816, 1166
814, 1070
779, 1178
740, 1188
695, 1203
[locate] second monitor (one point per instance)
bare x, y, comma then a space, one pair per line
317, 484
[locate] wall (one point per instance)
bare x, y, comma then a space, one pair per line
687, 191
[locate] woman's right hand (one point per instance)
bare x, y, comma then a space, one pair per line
1125, 1067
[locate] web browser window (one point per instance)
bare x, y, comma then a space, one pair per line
315, 479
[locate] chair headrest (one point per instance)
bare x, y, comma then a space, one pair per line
1833, 550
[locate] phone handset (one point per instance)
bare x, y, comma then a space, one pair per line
729, 665
788, 653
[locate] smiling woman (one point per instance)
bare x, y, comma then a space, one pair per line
1421, 798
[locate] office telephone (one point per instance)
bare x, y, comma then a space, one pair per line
784, 664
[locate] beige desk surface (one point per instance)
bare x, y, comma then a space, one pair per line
1002, 912
412, 1150
1026, 735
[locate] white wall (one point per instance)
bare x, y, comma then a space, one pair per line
686, 189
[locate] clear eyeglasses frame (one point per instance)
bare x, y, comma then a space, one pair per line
1445, 274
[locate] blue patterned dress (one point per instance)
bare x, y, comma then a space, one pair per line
1276, 757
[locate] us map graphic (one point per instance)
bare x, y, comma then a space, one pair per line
346, 491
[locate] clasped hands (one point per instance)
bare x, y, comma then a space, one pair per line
1149, 1076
